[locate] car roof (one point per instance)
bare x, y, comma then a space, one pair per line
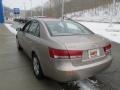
47, 19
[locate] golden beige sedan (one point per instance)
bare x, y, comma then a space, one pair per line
63, 49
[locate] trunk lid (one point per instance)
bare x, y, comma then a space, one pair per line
82, 42
85, 43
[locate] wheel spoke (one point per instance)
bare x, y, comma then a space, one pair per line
36, 66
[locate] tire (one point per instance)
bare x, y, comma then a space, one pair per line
37, 67
18, 46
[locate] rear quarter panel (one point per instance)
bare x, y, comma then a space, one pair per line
41, 47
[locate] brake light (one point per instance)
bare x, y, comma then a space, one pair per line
65, 54
107, 49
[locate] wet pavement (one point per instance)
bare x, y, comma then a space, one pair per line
111, 77
16, 70
15, 67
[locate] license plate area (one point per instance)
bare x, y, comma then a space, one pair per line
93, 53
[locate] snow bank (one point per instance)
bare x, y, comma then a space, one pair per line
11, 29
105, 30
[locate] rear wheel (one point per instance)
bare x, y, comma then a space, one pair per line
36, 67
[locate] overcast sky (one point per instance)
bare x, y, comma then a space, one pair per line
20, 3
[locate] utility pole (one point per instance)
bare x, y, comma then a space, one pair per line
42, 8
24, 9
50, 4
114, 7
31, 8
113, 12
63, 9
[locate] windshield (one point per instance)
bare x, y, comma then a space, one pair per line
66, 28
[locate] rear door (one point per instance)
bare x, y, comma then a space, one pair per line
30, 36
22, 34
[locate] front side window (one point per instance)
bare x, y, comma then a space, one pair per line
66, 28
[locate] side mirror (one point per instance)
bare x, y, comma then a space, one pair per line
19, 29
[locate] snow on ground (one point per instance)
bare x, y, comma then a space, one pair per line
105, 13
112, 32
11, 29
91, 18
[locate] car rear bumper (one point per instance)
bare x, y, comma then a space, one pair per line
63, 74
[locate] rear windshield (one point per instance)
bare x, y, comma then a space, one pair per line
66, 28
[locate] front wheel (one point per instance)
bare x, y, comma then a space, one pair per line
36, 67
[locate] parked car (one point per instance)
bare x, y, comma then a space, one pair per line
21, 20
63, 49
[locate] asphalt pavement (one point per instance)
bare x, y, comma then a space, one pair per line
111, 77
16, 70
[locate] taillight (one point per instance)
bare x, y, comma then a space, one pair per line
107, 49
65, 54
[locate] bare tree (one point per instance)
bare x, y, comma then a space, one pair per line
54, 8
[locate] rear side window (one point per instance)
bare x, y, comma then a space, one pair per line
39, 29
37, 32
27, 26
33, 27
